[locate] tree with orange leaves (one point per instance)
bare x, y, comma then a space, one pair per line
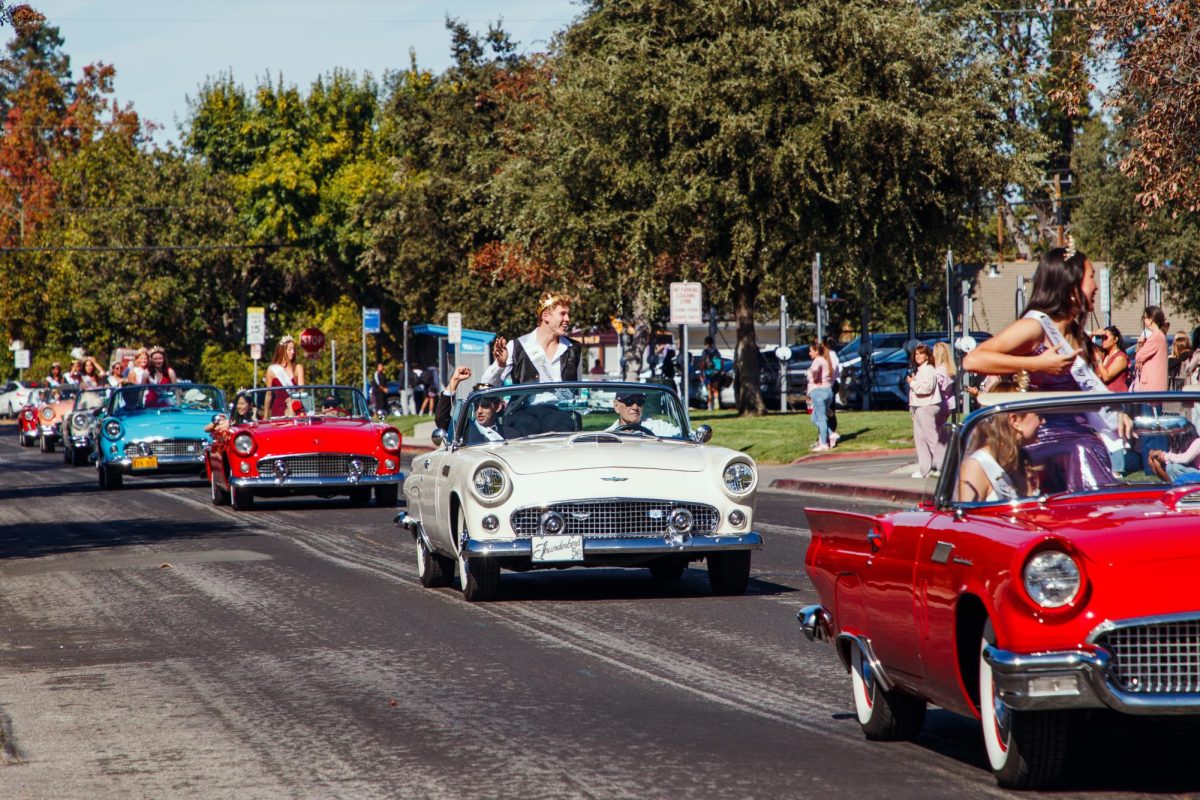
1157, 46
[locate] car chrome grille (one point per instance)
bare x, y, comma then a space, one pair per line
318, 466
1159, 658
166, 447
612, 518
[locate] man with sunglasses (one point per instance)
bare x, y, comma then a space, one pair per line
630, 408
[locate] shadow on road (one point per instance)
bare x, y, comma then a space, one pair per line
614, 584
1108, 752
31, 540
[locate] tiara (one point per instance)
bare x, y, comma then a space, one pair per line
287, 339
157, 349
1069, 250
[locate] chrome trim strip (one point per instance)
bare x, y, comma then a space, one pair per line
475, 548
864, 644
288, 483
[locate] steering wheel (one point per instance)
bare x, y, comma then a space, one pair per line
636, 426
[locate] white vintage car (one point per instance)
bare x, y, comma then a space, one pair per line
535, 476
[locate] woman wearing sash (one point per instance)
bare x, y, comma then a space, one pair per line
1051, 345
998, 467
139, 372
283, 372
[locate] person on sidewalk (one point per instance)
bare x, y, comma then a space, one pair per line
924, 404
943, 368
820, 392
836, 364
1114, 364
1150, 360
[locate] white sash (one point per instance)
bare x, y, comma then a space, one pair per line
280, 374
1002, 487
491, 434
1104, 422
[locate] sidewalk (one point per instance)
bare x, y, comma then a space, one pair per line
873, 475
882, 475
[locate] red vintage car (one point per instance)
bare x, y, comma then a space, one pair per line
1053, 570
29, 422
303, 440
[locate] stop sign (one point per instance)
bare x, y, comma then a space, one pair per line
312, 340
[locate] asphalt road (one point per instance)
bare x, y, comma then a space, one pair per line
152, 645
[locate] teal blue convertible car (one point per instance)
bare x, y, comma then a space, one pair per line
154, 430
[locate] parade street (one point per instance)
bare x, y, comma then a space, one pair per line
154, 645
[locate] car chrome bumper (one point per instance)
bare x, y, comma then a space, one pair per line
1074, 679
166, 464
816, 622
624, 545
268, 482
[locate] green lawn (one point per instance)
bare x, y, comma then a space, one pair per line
782, 438
779, 438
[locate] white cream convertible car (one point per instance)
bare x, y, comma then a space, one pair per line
535, 476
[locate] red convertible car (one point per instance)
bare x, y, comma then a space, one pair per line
303, 440
1054, 570
29, 420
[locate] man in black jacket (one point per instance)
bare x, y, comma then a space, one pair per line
545, 355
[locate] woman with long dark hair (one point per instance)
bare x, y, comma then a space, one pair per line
283, 372
1050, 344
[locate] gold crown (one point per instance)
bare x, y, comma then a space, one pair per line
552, 299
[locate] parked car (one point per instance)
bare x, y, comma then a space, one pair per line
890, 367
556, 482
1059, 583
50, 414
149, 430
15, 396
28, 422
324, 444
78, 427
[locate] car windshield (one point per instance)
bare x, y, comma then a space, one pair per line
62, 393
90, 399
549, 410
1011, 451
182, 397
308, 401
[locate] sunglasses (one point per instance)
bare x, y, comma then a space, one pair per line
633, 400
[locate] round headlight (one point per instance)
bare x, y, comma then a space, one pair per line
243, 444
739, 477
28, 413
391, 440
489, 481
80, 421
47, 413
112, 429
1052, 578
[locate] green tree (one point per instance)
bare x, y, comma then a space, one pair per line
727, 142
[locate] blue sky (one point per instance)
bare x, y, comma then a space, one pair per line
164, 49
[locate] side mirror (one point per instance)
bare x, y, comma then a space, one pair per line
702, 434
438, 436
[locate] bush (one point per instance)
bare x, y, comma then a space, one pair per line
228, 370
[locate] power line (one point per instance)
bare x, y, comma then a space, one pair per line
146, 248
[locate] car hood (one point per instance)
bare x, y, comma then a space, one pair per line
304, 430
539, 457
167, 423
1120, 531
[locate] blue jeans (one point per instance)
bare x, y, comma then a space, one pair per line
820, 399
1183, 473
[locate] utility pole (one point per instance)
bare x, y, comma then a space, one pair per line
1058, 209
818, 298
783, 371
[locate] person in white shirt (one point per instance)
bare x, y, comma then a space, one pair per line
924, 403
545, 355
630, 407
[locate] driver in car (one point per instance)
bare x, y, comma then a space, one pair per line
629, 407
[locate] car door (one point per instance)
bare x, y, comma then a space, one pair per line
873, 561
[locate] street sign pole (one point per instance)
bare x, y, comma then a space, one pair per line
453, 336
333, 361
687, 308
256, 335
370, 324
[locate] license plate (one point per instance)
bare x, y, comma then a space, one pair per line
557, 548
145, 462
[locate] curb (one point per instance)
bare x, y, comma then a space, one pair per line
847, 455
888, 494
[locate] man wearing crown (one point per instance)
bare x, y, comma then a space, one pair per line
545, 355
